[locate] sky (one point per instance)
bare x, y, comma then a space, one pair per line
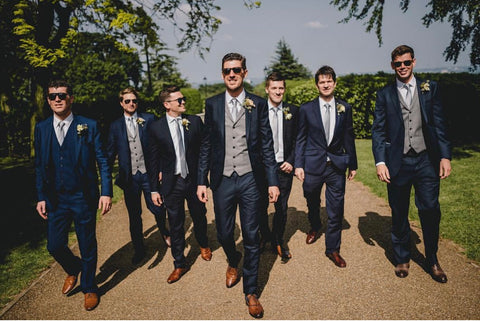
311, 29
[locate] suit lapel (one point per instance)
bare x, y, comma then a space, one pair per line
318, 118
220, 111
186, 135
395, 101
48, 140
78, 138
421, 99
165, 131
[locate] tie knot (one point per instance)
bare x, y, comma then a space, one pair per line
61, 124
234, 101
327, 106
179, 120
275, 109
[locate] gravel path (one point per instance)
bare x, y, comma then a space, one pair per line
309, 286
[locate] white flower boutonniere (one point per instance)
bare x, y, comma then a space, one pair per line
185, 123
141, 121
248, 104
82, 129
286, 113
425, 86
340, 109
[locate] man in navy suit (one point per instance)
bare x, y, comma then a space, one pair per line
283, 119
411, 147
175, 144
238, 151
325, 149
67, 147
128, 138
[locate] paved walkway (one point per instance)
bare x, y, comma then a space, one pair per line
307, 287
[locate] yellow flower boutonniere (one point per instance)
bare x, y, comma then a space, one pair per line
185, 123
248, 104
82, 129
140, 121
340, 109
425, 86
286, 113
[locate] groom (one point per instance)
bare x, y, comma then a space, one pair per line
411, 148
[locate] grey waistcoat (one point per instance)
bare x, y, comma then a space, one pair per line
412, 120
136, 152
236, 150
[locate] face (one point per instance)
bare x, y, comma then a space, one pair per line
233, 81
61, 104
129, 104
326, 86
403, 72
275, 91
175, 108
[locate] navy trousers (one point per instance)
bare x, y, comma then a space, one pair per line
419, 173
334, 180
241, 191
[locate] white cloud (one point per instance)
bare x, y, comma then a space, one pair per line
315, 25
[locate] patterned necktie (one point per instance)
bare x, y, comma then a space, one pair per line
131, 127
326, 122
60, 132
275, 129
408, 96
181, 147
234, 111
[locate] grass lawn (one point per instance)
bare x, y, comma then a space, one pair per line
23, 253
459, 195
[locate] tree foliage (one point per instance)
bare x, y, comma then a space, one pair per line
286, 64
463, 16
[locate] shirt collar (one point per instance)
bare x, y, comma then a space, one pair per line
67, 120
240, 97
134, 116
171, 119
412, 83
270, 106
323, 102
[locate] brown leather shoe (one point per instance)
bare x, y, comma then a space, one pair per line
206, 253
177, 274
91, 301
337, 259
401, 270
312, 236
232, 276
69, 284
167, 240
437, 273
254, 307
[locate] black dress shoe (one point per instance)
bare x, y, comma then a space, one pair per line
437, 273
401, 270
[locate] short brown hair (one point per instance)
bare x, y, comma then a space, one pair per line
165, 93
325, 70
128, 90
274, 76
56, 83
401, 50
235, 56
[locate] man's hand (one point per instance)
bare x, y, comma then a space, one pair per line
445, 168
273, 192
300, 174
202, 193
383, 173
105, 204
286, 167
157, 199
351, 174
42, 209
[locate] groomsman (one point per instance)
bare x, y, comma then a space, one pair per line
325, 149
174, 147
67, 146
237, 150
128, 138
283, 122
411, 148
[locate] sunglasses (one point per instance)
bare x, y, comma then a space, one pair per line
54, 96
399, 63
127, 101
180, 100
236, 70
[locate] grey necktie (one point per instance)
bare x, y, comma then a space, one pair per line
181, 147
326, 122
275, 129
408, 96
60, 132
234, 111
131, 127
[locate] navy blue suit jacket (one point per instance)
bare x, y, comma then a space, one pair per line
162, 152
259, 142
88, 151
312, 150
118, 145
290, 133
388, 131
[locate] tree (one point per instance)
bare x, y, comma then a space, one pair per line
463, 15
286, 64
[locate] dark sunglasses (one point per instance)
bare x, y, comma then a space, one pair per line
236, 70
180, 100
127, 101
54, 96
399, 63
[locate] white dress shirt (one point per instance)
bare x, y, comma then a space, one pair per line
67, 122
333, 112
279, 156
172, 126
